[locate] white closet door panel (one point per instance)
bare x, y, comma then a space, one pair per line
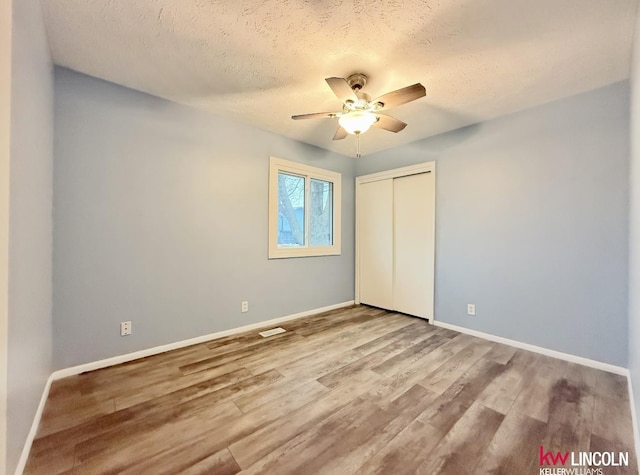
375, 241
413, 282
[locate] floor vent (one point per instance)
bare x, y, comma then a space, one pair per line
273, 331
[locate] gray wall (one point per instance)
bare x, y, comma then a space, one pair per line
160, 217
5, 160
29, 337
634, 224
532, 223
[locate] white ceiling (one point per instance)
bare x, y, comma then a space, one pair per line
261, 61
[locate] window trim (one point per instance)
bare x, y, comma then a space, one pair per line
277, 165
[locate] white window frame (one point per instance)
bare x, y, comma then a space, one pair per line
279, 165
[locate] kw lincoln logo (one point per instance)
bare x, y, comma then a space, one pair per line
580, 463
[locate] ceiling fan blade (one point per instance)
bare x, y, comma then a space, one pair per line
340, 134
341, 88
317, 115
400, 96
389, 123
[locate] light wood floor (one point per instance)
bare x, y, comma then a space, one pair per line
357, 390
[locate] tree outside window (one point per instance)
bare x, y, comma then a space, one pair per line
306, 202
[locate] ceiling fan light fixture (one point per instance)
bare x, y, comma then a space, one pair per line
357, 122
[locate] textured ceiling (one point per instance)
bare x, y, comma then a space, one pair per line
262, 61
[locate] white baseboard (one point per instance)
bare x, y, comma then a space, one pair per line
538, 349
22, 462
63, 373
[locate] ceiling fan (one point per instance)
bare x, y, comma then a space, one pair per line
359, 112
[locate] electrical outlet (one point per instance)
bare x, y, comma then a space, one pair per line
125, 328
245, 307
471, 309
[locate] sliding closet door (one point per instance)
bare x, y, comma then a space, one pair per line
375, 243
413, 283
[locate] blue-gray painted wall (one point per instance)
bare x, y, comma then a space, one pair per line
532, 223
160, 216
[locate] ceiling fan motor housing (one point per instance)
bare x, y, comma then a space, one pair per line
357, 81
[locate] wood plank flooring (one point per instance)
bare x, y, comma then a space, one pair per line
355, 390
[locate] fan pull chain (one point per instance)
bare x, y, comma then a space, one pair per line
358, 149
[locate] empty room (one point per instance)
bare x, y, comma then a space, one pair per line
319, 237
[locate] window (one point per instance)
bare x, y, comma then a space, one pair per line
304, 210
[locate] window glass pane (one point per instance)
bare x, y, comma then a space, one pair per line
321, 213
290, 210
